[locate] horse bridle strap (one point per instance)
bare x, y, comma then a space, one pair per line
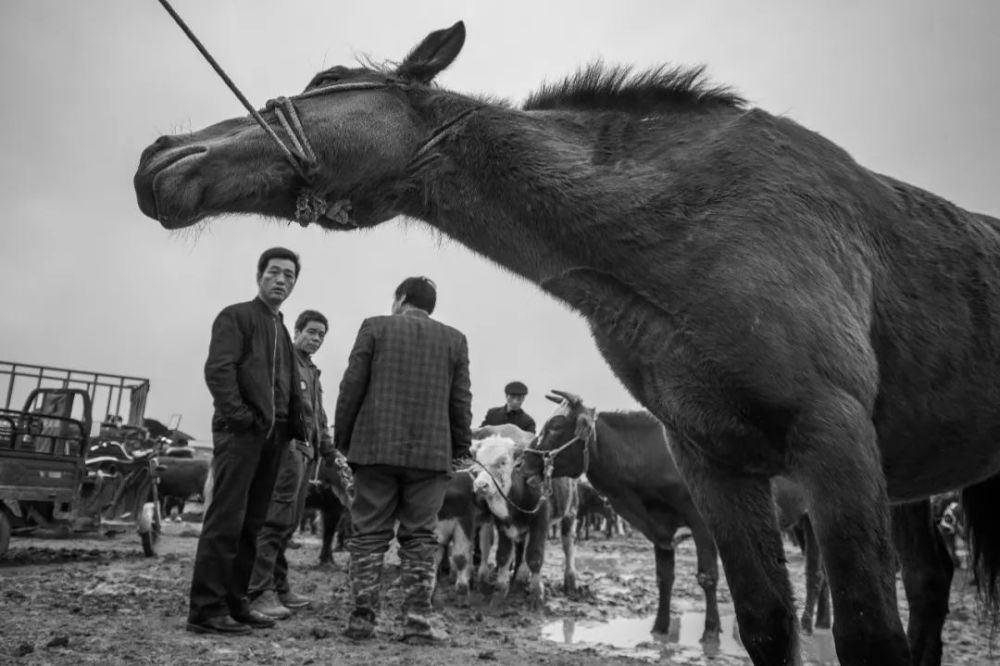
310, 205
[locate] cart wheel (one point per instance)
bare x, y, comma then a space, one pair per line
4, 532
149, 529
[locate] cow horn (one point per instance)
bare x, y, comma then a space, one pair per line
572, 398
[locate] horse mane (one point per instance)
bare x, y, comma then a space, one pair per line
618, 88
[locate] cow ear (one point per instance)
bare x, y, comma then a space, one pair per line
554, 398
438, 50
476, 444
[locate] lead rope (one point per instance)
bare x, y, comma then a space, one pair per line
295, 160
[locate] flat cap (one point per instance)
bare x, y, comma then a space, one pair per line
515, 388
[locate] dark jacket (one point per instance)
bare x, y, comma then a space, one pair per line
405, 397
500, 416
239, 371
313, 414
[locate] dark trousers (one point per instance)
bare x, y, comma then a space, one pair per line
244, 467
270, 570
386, 493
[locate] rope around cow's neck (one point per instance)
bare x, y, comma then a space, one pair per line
548, 465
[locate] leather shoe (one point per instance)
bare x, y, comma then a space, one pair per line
255, 619
294, 601
268, 604
221, 624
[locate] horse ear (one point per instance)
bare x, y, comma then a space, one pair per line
433, 55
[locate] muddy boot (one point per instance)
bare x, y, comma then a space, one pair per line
420, 624
365, 573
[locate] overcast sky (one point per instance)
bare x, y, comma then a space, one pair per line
909, 88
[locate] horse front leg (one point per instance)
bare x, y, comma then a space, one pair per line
739, 512
835, 454
927, 573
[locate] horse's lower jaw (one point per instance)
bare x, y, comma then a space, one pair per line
173, 224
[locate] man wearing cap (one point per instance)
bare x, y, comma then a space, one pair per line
511, 412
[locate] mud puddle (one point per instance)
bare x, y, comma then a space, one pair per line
632, 637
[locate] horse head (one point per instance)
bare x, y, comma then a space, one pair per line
564, 438
337, 154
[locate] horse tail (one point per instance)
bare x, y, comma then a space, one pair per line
979, 502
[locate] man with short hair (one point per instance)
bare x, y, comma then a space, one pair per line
252, 376
511, 412
403, 415
269, 587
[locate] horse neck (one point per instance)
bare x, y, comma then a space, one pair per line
528, 189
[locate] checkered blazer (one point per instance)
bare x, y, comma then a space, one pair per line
405, 397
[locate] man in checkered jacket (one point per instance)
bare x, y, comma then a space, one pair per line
404, 413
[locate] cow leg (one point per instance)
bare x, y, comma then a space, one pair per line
505, 557
534, 558
485, 543
521, 571
461, 559
567, 526
927, 573
708, 576
739, 511
331, 518
665, 584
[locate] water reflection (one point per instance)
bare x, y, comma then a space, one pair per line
682, 642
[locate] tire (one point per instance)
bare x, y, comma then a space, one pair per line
4, 532
149, 529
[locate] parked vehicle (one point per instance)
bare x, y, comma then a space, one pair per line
57, 473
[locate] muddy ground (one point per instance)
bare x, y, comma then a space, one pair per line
99, 601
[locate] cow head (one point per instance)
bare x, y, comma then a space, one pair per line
564, 438
498, 456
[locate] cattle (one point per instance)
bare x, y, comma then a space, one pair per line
626, 458
463, 522
514, 491
949, 521
181, 479
328, 494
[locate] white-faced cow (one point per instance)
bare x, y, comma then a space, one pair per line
525, 499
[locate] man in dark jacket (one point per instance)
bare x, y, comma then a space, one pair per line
403, 415
252, 376
511, 412
269, 587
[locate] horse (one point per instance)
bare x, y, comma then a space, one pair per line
781, 309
